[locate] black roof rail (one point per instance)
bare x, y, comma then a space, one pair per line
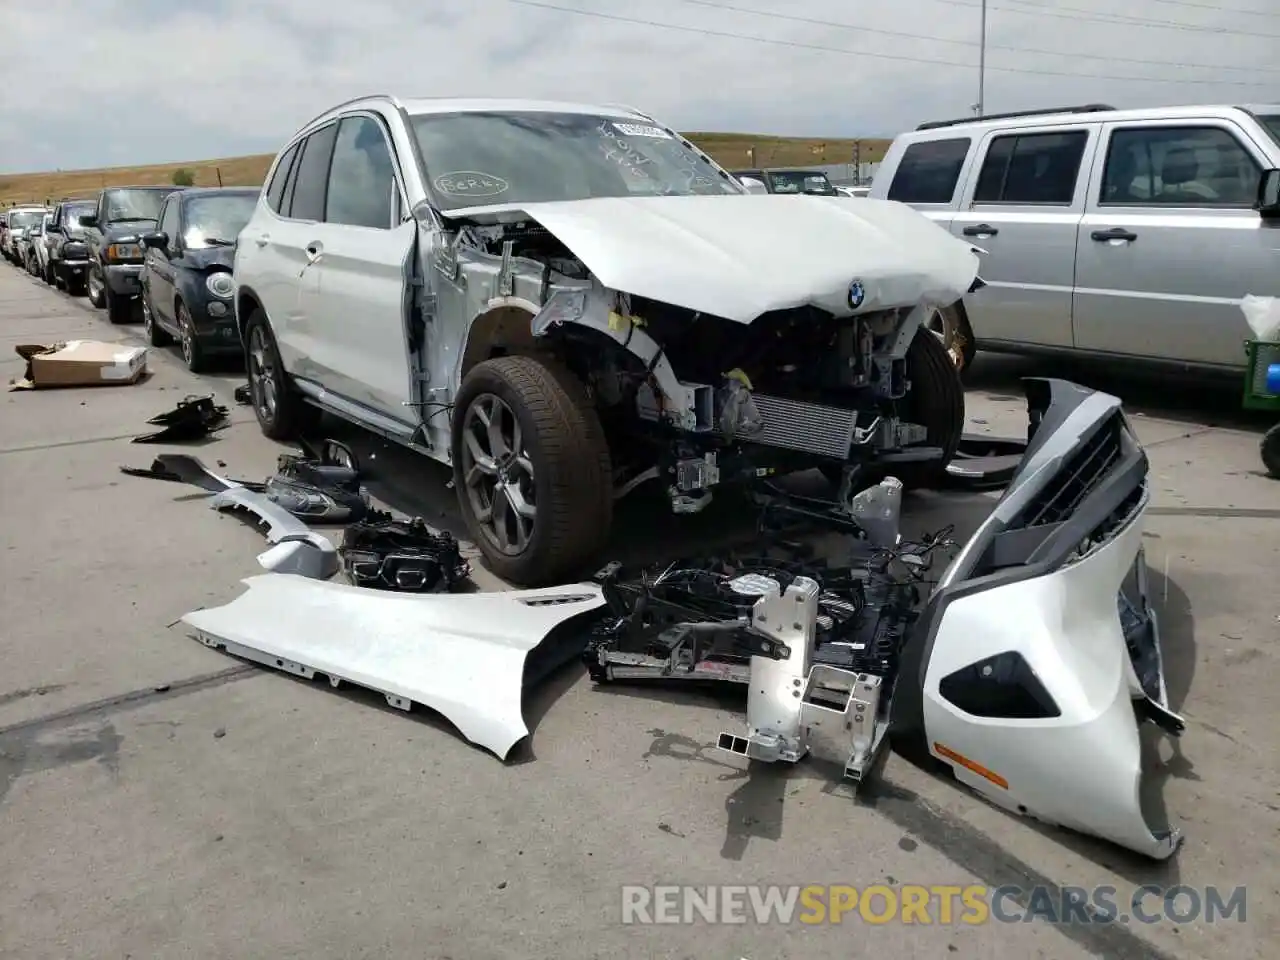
1085, 108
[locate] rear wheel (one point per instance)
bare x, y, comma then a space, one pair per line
192, 353
1271, 451
156, 335
282, 413
531, 469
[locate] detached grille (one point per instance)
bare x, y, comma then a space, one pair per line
1078, 477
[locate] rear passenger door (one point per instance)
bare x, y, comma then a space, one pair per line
1023, 203
928, 175
277, 249
1171, 242
354, 296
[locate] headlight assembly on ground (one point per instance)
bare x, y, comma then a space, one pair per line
941, 904
220, 284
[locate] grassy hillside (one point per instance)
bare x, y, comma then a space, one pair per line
730, 149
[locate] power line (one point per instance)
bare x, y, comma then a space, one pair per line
1120, 19
862, 54
966, 43
1218, 8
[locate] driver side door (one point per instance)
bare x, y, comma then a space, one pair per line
158, 275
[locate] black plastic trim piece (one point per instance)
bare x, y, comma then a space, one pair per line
1004, 686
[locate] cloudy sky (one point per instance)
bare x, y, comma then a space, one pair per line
92, 83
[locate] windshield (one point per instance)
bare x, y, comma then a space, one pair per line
134, 205
1272, 123
25, 219
511, 158
71, 215
216, 219
799, 181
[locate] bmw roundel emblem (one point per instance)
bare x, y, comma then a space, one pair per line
857, 293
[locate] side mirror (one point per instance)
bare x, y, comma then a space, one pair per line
1269, 195
158, 240
753, 185
89, 220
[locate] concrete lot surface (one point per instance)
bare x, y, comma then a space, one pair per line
162, 800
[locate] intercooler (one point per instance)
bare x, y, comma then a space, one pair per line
807, 427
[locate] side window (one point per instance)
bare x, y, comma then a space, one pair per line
312, 176
169, 219
280, 179
928, 172
362, 177
1180, 167
1031, 168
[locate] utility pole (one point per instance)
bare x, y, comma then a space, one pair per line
982, 62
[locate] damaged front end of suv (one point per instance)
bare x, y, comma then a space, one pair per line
675, 331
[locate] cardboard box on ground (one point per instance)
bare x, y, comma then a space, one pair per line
80, 363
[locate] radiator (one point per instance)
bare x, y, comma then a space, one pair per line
808, 427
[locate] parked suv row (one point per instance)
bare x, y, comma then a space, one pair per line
1128, 234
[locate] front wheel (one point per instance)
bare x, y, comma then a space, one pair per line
951, 326
531, 468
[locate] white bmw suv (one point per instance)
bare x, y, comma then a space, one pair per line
564, 302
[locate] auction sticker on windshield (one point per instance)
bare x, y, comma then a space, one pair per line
641, 130
471, 183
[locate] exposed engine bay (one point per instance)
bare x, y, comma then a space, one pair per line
696, 399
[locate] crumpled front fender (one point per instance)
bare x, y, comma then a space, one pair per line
466, 656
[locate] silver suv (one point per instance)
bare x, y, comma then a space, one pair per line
565, 301
1120, 233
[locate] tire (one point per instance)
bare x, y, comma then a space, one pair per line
287, 415
74, 287
936, 402
96, 291
564, 444
156, 335
1270, 449
119, 309
49, 276
955, 317
192, 353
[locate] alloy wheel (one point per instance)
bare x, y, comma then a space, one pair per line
263, 388
188, 337
498, 473
943, 326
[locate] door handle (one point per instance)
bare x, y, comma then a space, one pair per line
981, 230
1115, 233
262, 239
